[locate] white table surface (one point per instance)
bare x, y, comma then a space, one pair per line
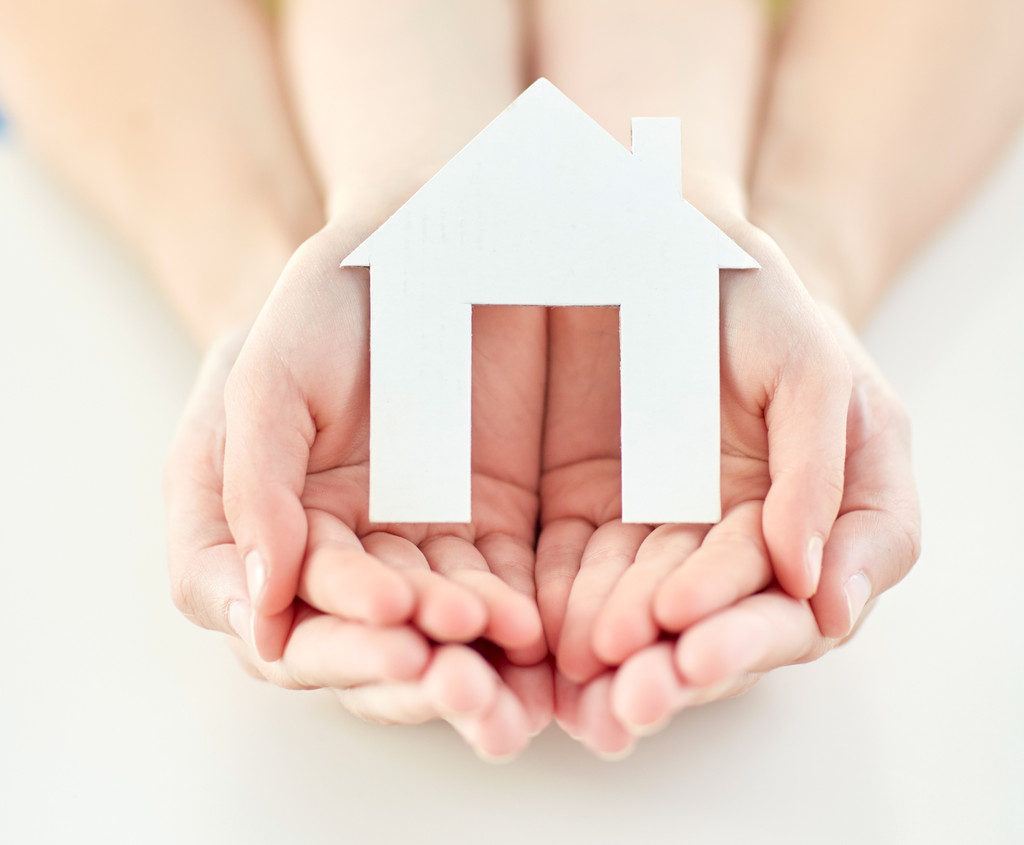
120, 722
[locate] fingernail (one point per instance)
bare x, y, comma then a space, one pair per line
815, 549
256, 575
572, 734
240, 619
496, 759
615, 756
858, 591
639, 730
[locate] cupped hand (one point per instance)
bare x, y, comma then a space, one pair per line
785, 391
654, 620
208, 579
297, 450
350, 629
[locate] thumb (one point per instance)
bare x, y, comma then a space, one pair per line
206, 575
877, 537
269, 433
806, 420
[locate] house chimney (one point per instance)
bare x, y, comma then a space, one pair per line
658, 141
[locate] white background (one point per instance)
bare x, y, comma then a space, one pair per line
120, 722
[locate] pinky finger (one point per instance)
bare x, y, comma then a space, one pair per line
600, 731
760, 633
456, 684
647, 690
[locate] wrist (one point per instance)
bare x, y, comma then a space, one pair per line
830, 255
216, 279
360, 204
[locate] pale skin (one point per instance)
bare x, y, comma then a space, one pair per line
642, 620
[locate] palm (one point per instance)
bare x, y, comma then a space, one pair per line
297, 457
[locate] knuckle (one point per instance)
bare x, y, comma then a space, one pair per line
186, 593
232, 498
912, 551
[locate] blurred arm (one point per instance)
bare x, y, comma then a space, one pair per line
169, 118
388, 92
882, 117
702, 59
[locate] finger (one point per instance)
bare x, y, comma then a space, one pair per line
340, 578
266, 452
512, 617
876, 539
760, 633
647, 690
567, 704
610, 550
559, 552
464, 690
461, 682
533, 686
600, 731
731, 563
869, 552
206, 575
582, 418
324, 651
727, 688
512, 561
208, 586
499, 734
457, 683
444, 610
509, 370
806, 420
626, 622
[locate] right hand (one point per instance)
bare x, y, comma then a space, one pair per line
382, 672
296, 474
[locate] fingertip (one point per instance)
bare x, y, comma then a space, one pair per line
839, 605
579, 664
617, 637
645, 691
708, 654
387, 597
392, 607
813, 553
240, 619
796, 553
869, 552
256, 578
668, 608
273, 561
566, 711
516, 625
460, 682
270, 633
408, 661
600, 731
528, 655
452, 615
858, 592
642, 715
502, 733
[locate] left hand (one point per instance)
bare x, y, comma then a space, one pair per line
350, 631
609, 591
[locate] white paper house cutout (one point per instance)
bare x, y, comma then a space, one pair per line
544, 207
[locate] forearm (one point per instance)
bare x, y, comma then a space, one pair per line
883, 114
169, 118
701, 60
388, 92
